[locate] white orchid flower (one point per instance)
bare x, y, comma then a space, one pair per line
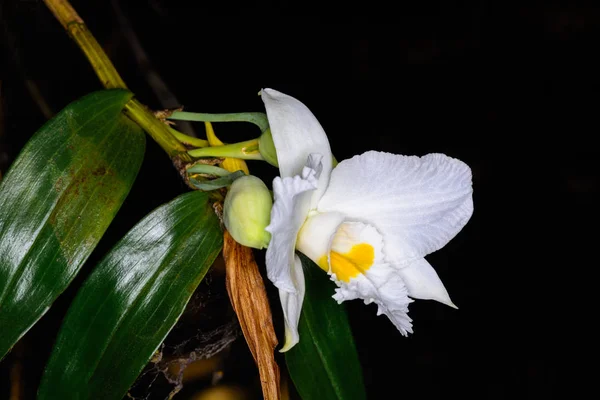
369, 222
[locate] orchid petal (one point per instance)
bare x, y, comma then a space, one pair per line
379, 282
296, 134
418, 203
292, 202
292, 305
424, 283
314, 238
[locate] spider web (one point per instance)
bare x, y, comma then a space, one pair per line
207, 326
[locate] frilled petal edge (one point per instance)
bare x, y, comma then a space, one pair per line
358, 267
292, 202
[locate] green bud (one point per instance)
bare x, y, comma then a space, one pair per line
266, 147
247, 212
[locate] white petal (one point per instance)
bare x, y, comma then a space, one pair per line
424, 283
296, 134
292, 201
314, 238
292, 305
384, 287
380, 283
418, 203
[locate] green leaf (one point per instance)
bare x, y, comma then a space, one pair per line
57, 200
132, 299
324, 364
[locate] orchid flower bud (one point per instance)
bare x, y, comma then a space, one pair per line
247, 212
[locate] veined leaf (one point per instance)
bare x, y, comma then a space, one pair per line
132, 299
57, 200
324, 364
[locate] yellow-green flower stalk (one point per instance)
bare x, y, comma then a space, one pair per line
230, 164
261, 148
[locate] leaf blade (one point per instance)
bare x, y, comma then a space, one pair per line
324, 364
109, 333
57, 200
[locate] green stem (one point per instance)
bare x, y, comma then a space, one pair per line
77, 30
156, 129
207, 169
185, 139
110, 78
257, 118
247, 150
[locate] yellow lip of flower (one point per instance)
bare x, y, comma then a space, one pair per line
230, 164
349, 264
345, 248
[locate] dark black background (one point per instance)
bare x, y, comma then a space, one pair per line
510, 90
